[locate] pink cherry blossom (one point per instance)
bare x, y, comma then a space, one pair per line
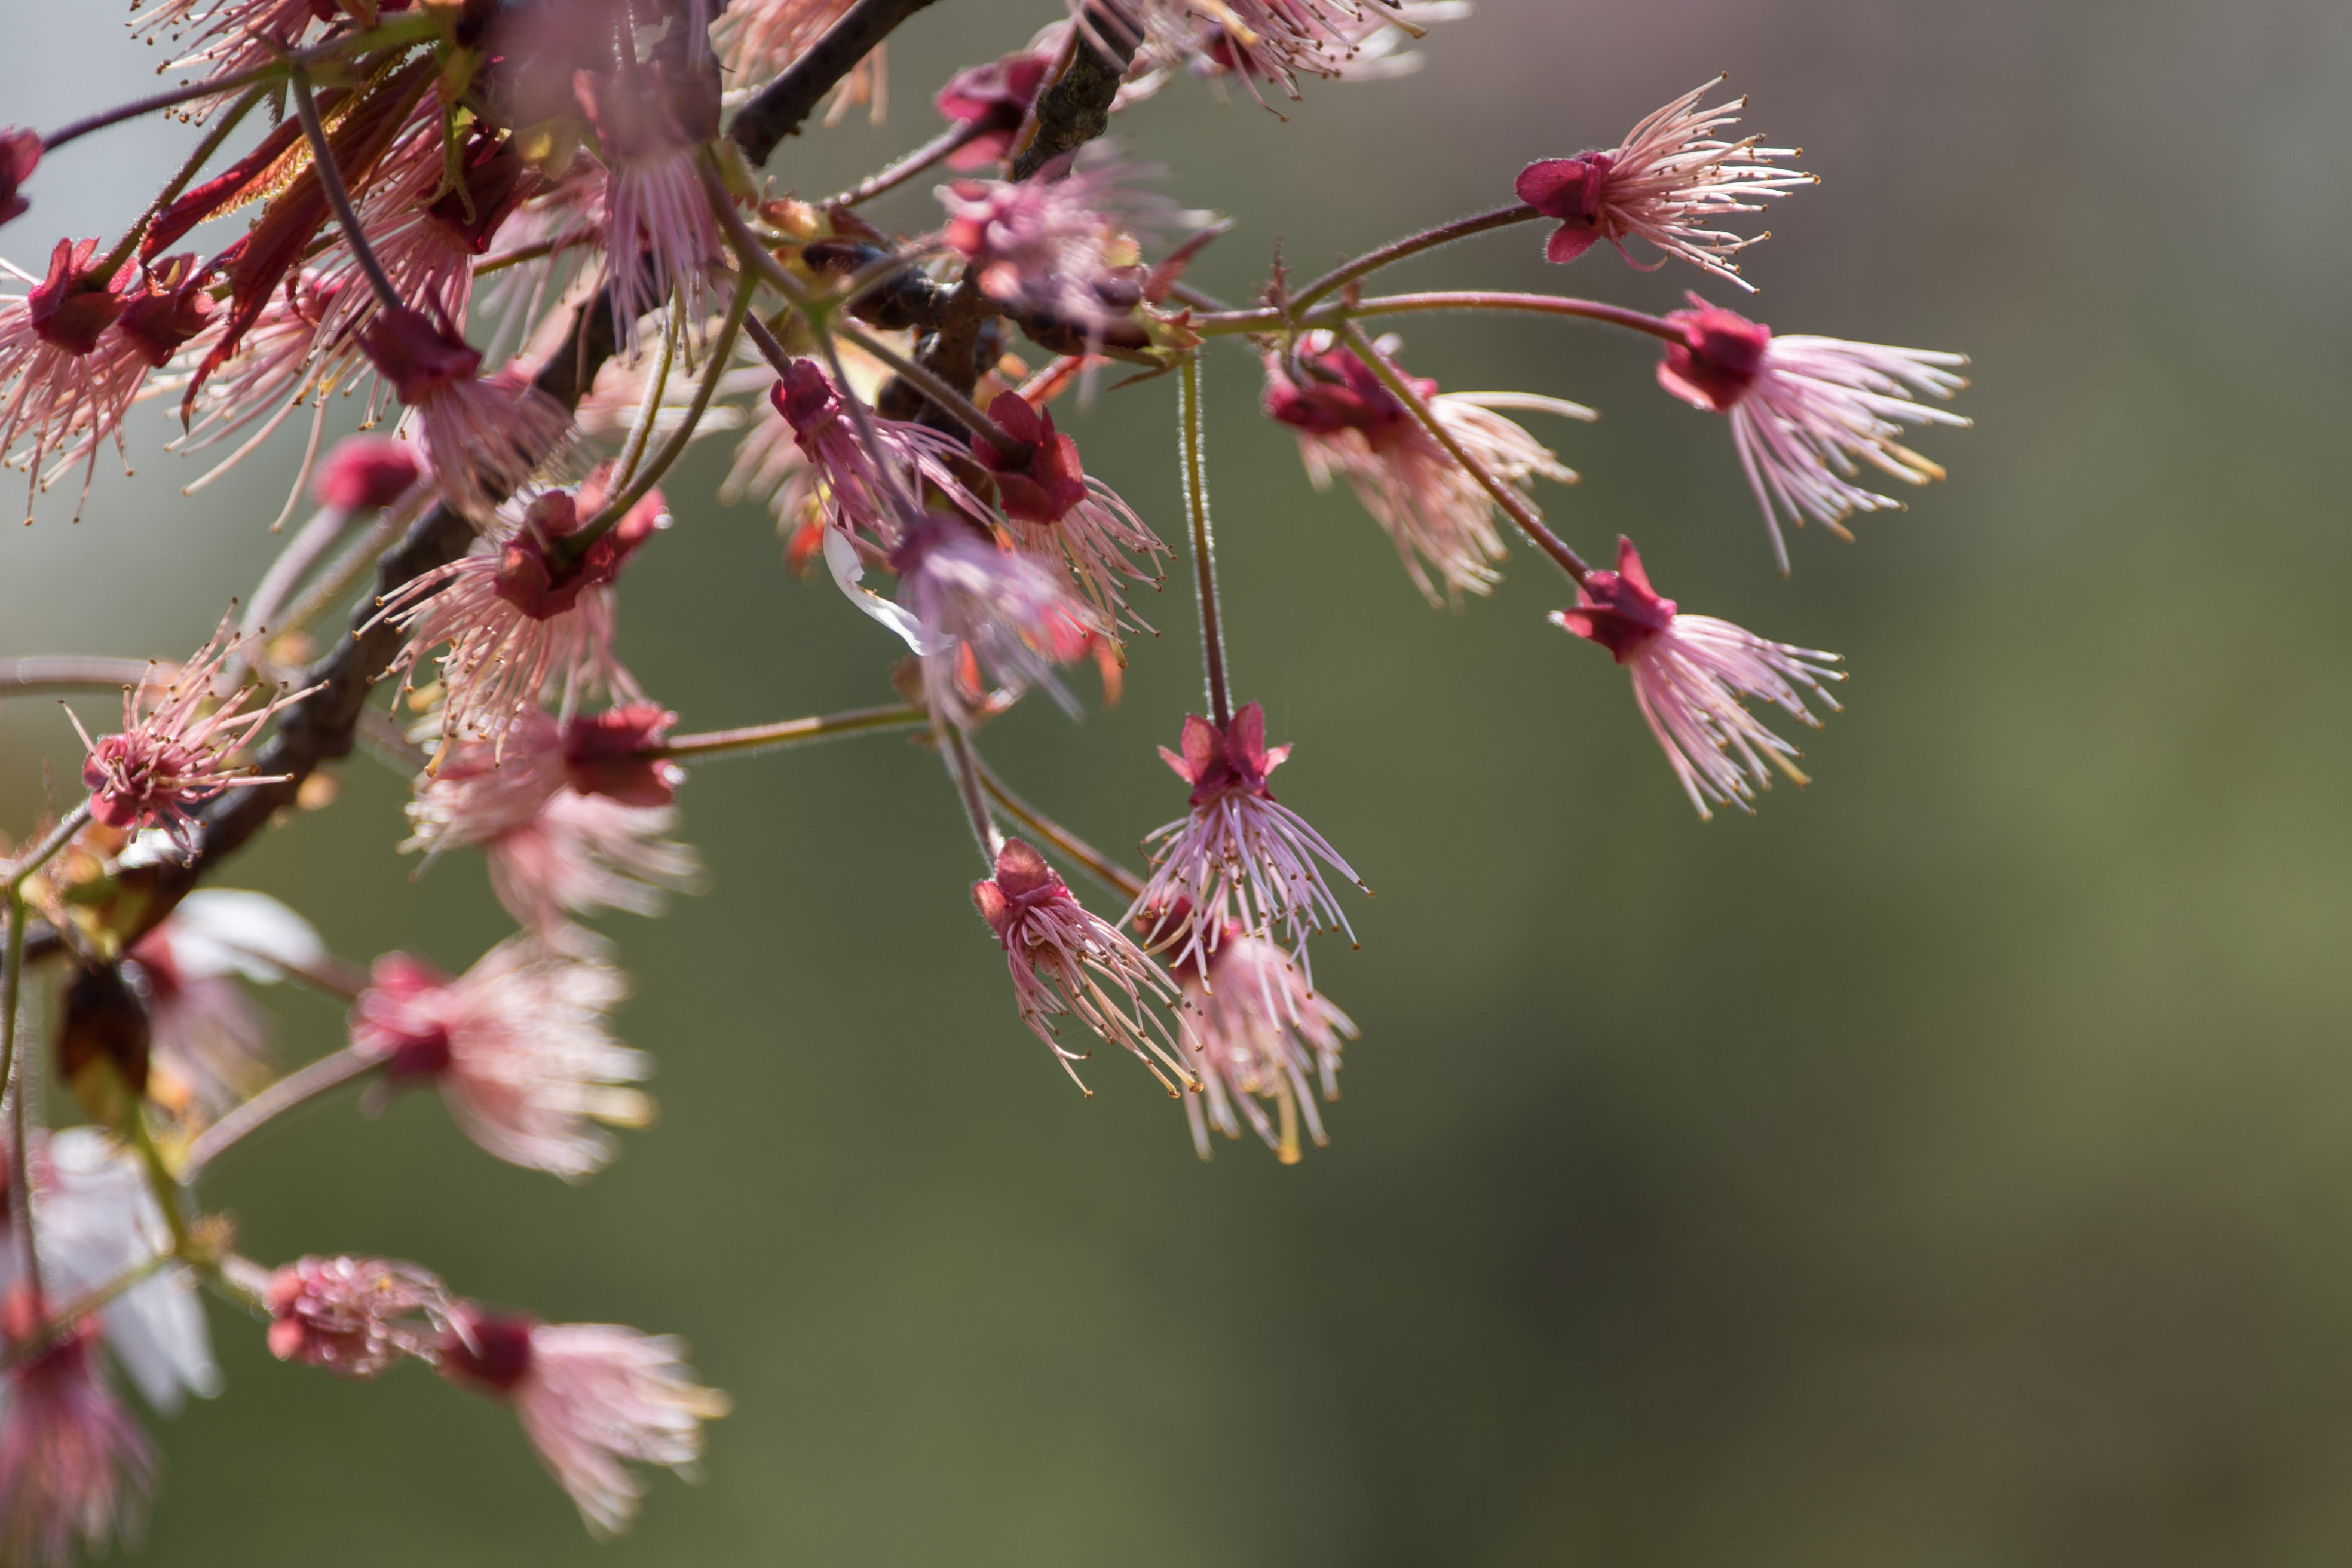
1670, 178
1259, 1033
173, 752
660, 238
1803, 409
521, 618
1239, 859
66, 380
569, 815
982, 609
1441, 519
517, 1047
593, 1398
485, 435
1693, 676
1065, 247
76, 1472
1066, 960
1060, 512
356, 1317
853, 482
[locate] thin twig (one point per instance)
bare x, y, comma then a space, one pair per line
297, 1088
1097, 864
91, 1300
777, 110
1190, 440
965, 773
1510, 500
1411, 244
946, 398
330, 180
947, 143
44, 673
756, 738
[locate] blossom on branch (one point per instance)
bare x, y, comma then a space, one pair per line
66, 378
660, 238
1066, 960
1802, 409
74, 1469
1693, 676
1670, 178
518, 1047
570, 816
1239, 859
1059, 247
525, 617
1260, 1033
356, 1317
173, 752
484, 434
591, 1397
978, 608
1060, 512
1440, 518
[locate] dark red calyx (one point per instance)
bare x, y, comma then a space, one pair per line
1234, 761
492, 183
20, 154
805, 398
604, 755
1619, 609
489, 1353
172, 307
1022, 882
417, 356
364, 472
1336, 391
538, 576
1572, 190
995, 97
71, 308
1042, 483
394, 1018
1721, 355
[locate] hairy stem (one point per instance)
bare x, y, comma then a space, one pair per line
43, 673
1097, 864
1227, 324
946, 144
1190, 442
296, 1088
330, 180
756, 738
1510, 500
1411, 244
963, 770
211, 144
946, 398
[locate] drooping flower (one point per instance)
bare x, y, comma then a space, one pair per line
364, 472
570, 816
1693, 676
485, 435
854, 482
1271, 41
428, 222
76, 1472
1065, 248
593, 1398
20, 154
1060, 511
1259, 1033
211, 1044
1665, 183
1803, 409
1066, 959
517, 1047
173, 752
660, 238
356, 1317
1441, 519
978, 608
991, 101
66, 380
525, 617
1239, 858
219, 39
95, 1218
288, 356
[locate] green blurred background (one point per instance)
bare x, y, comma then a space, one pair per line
1949, 1166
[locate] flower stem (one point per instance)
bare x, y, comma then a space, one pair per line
220, 132
331, 179
413, 27
790, 732
649, 405
945, 143
1530, 523
574, 545
90, 1301
1411, 244
1099, 866
963, 768
12, 1064
296, 1088
1270, 318
65, 672
1189, 435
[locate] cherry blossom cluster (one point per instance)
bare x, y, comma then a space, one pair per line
536, 244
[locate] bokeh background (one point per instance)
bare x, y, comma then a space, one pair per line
1949, 1166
